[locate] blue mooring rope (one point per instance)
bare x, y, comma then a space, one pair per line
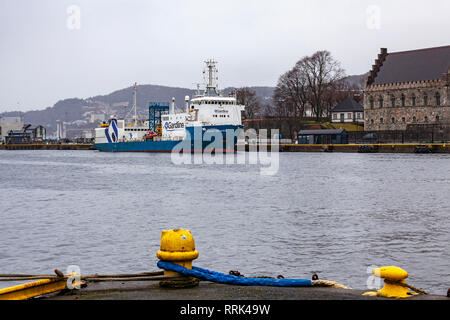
218, 277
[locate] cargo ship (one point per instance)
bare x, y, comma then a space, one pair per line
206, 117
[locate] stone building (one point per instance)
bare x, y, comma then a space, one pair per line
408, 88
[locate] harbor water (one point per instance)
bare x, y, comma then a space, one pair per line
335, 214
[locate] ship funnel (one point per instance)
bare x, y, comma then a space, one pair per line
172, 107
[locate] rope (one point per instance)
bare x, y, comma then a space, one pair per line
92, 279
237, 279
41, 276
184, 282
328, 283
218, 277
196, 272
418, 290
145, 276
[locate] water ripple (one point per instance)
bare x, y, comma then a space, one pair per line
333, 214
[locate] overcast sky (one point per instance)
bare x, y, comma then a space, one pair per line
57, 49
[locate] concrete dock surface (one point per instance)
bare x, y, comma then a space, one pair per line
146, 290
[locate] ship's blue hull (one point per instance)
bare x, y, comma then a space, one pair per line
137, 146
191, 145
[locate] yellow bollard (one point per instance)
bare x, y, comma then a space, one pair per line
393, 277
177, 246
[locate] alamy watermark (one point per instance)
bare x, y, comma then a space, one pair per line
373, 21
73, 21
213, 146
373, 281
74, 277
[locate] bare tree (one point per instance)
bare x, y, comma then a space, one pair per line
247, 97
323, 73
312, 82
315, 83
292, 91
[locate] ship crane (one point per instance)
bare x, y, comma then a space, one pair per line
135, 117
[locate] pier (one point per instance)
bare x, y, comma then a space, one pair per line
180, 280
355, 148
143, 290
47, 146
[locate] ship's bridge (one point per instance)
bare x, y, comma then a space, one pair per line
214, 101
215, 110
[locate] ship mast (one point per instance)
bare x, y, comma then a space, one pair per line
212, 77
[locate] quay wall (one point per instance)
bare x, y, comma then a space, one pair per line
44, 146
376, 148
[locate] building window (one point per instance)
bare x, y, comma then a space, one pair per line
371, 102
392, 101
403, 100
393, 120
334, 116
413, 98
414, 119
381, 120
437, 118
371, 121
349, 115
425, 99
438, 99
426, 119
380, 100
403, 119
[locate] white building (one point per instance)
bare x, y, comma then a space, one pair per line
60, 130
348, 111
